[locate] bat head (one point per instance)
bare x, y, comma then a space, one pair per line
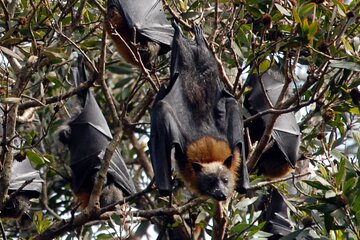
216, 179
213, 166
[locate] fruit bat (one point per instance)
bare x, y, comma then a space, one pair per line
282, 156
18, 202
143, 21
87, 137
277, 221
196, 124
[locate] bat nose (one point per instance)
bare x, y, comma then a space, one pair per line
219, 195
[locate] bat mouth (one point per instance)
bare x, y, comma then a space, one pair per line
218, 195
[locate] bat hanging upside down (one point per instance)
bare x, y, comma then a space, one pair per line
18, 204
197, 123
138, 25
281, 158
87, 137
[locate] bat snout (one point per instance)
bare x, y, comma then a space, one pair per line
219, 195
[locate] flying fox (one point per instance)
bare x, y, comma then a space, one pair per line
281, 158
197, 124
87, 135
138, 25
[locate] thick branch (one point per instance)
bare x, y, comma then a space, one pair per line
64, 226
23, 77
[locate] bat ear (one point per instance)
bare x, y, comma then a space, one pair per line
197, 167
228, 162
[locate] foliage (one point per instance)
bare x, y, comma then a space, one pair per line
318, 44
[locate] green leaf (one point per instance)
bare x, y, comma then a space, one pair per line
341, 8
296, 16
264, 66
8, 34
189, 15
348, 48
357, 216
337, 154
356, 136
254, 11
323, 171
313, 28
35, 158
345, 65
120, 69
316, 184
116, 219
341, 173
282, 10
10, 53
51, 76
306, 8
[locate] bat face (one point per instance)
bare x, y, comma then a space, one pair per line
196, 124
216, 179
211, 165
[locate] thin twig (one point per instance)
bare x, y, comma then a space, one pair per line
2, 230
143, 159
59, 98
27, 182
267, 183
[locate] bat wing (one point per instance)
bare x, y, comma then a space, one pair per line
21, 172
286, 132
274, 81
89, 137
235, 137
166, 137
119, 173
147, 17
277, 221
90, 133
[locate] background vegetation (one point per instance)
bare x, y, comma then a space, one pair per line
319, 43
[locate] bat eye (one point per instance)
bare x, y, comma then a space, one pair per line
225, 180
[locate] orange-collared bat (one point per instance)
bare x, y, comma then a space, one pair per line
87, 137
282, 156
142, 21
198, 124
